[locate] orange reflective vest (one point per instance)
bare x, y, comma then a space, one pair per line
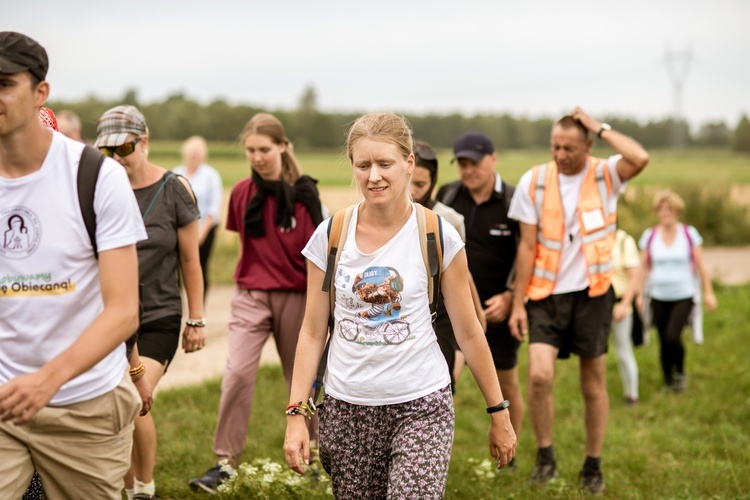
597, 228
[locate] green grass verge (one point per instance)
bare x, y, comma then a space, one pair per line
692, 445
714, 184
331, 168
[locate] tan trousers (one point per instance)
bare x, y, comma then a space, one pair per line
81, 450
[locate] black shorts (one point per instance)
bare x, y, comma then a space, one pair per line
572, 322
503, 345
158, 339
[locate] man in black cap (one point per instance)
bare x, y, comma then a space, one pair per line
66, 401
483, 198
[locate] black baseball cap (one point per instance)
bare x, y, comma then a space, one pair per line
20, 53
473, 145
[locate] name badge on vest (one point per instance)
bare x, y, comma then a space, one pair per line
592, 220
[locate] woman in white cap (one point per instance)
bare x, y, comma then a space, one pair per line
171, 217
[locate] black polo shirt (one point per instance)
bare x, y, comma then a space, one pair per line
491, 237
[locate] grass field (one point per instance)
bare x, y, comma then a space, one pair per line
331, 168
715, 183
692, 445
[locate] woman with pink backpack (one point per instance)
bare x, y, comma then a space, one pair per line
673, 271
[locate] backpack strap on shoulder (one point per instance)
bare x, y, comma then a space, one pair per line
450, 192
338, 230
691, 246
167, 176
88, 174
430, 229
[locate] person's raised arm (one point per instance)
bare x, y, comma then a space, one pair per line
473, 344
634, 157
518, 322
22, 397
310, 345
193, 337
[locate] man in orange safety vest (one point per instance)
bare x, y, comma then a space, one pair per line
567, 210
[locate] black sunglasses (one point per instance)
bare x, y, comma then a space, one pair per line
122, 150
425, 154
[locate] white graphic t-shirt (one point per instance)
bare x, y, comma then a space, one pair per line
49, 277
383, 350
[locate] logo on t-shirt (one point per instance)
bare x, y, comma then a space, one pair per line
381, 324
21, 232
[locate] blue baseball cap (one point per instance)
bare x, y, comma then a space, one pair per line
374, 275
473, 145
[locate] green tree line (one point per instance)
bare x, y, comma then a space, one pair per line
178, 117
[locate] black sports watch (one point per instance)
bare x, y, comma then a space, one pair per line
605, 126
502, 406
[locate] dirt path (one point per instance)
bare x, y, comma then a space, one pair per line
728, 265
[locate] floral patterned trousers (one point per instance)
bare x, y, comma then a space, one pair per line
391, 451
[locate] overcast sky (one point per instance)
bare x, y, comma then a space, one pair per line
529, 58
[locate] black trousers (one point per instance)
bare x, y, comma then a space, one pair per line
670, 319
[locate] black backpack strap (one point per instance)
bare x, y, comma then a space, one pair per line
448, 193
88, 173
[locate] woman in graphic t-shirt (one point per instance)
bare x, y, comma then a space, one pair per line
386, 425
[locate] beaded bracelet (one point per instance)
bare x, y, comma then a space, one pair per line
137, 372
301, 408
197, 323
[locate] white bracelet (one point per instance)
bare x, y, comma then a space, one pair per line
198, 323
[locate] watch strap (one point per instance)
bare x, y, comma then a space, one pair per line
500, 407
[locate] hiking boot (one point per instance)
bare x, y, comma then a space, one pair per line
679, 382
592, 482
214, 477
543, 473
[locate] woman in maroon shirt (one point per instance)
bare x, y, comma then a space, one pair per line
275, 212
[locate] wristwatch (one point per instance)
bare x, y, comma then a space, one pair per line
605, 126
502, 406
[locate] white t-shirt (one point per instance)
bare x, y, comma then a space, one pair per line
208, 189
49, 277
384, 349
671, 277
573, 274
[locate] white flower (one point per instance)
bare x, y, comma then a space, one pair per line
272, 467
293, 481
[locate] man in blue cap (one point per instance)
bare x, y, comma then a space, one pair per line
483, 198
